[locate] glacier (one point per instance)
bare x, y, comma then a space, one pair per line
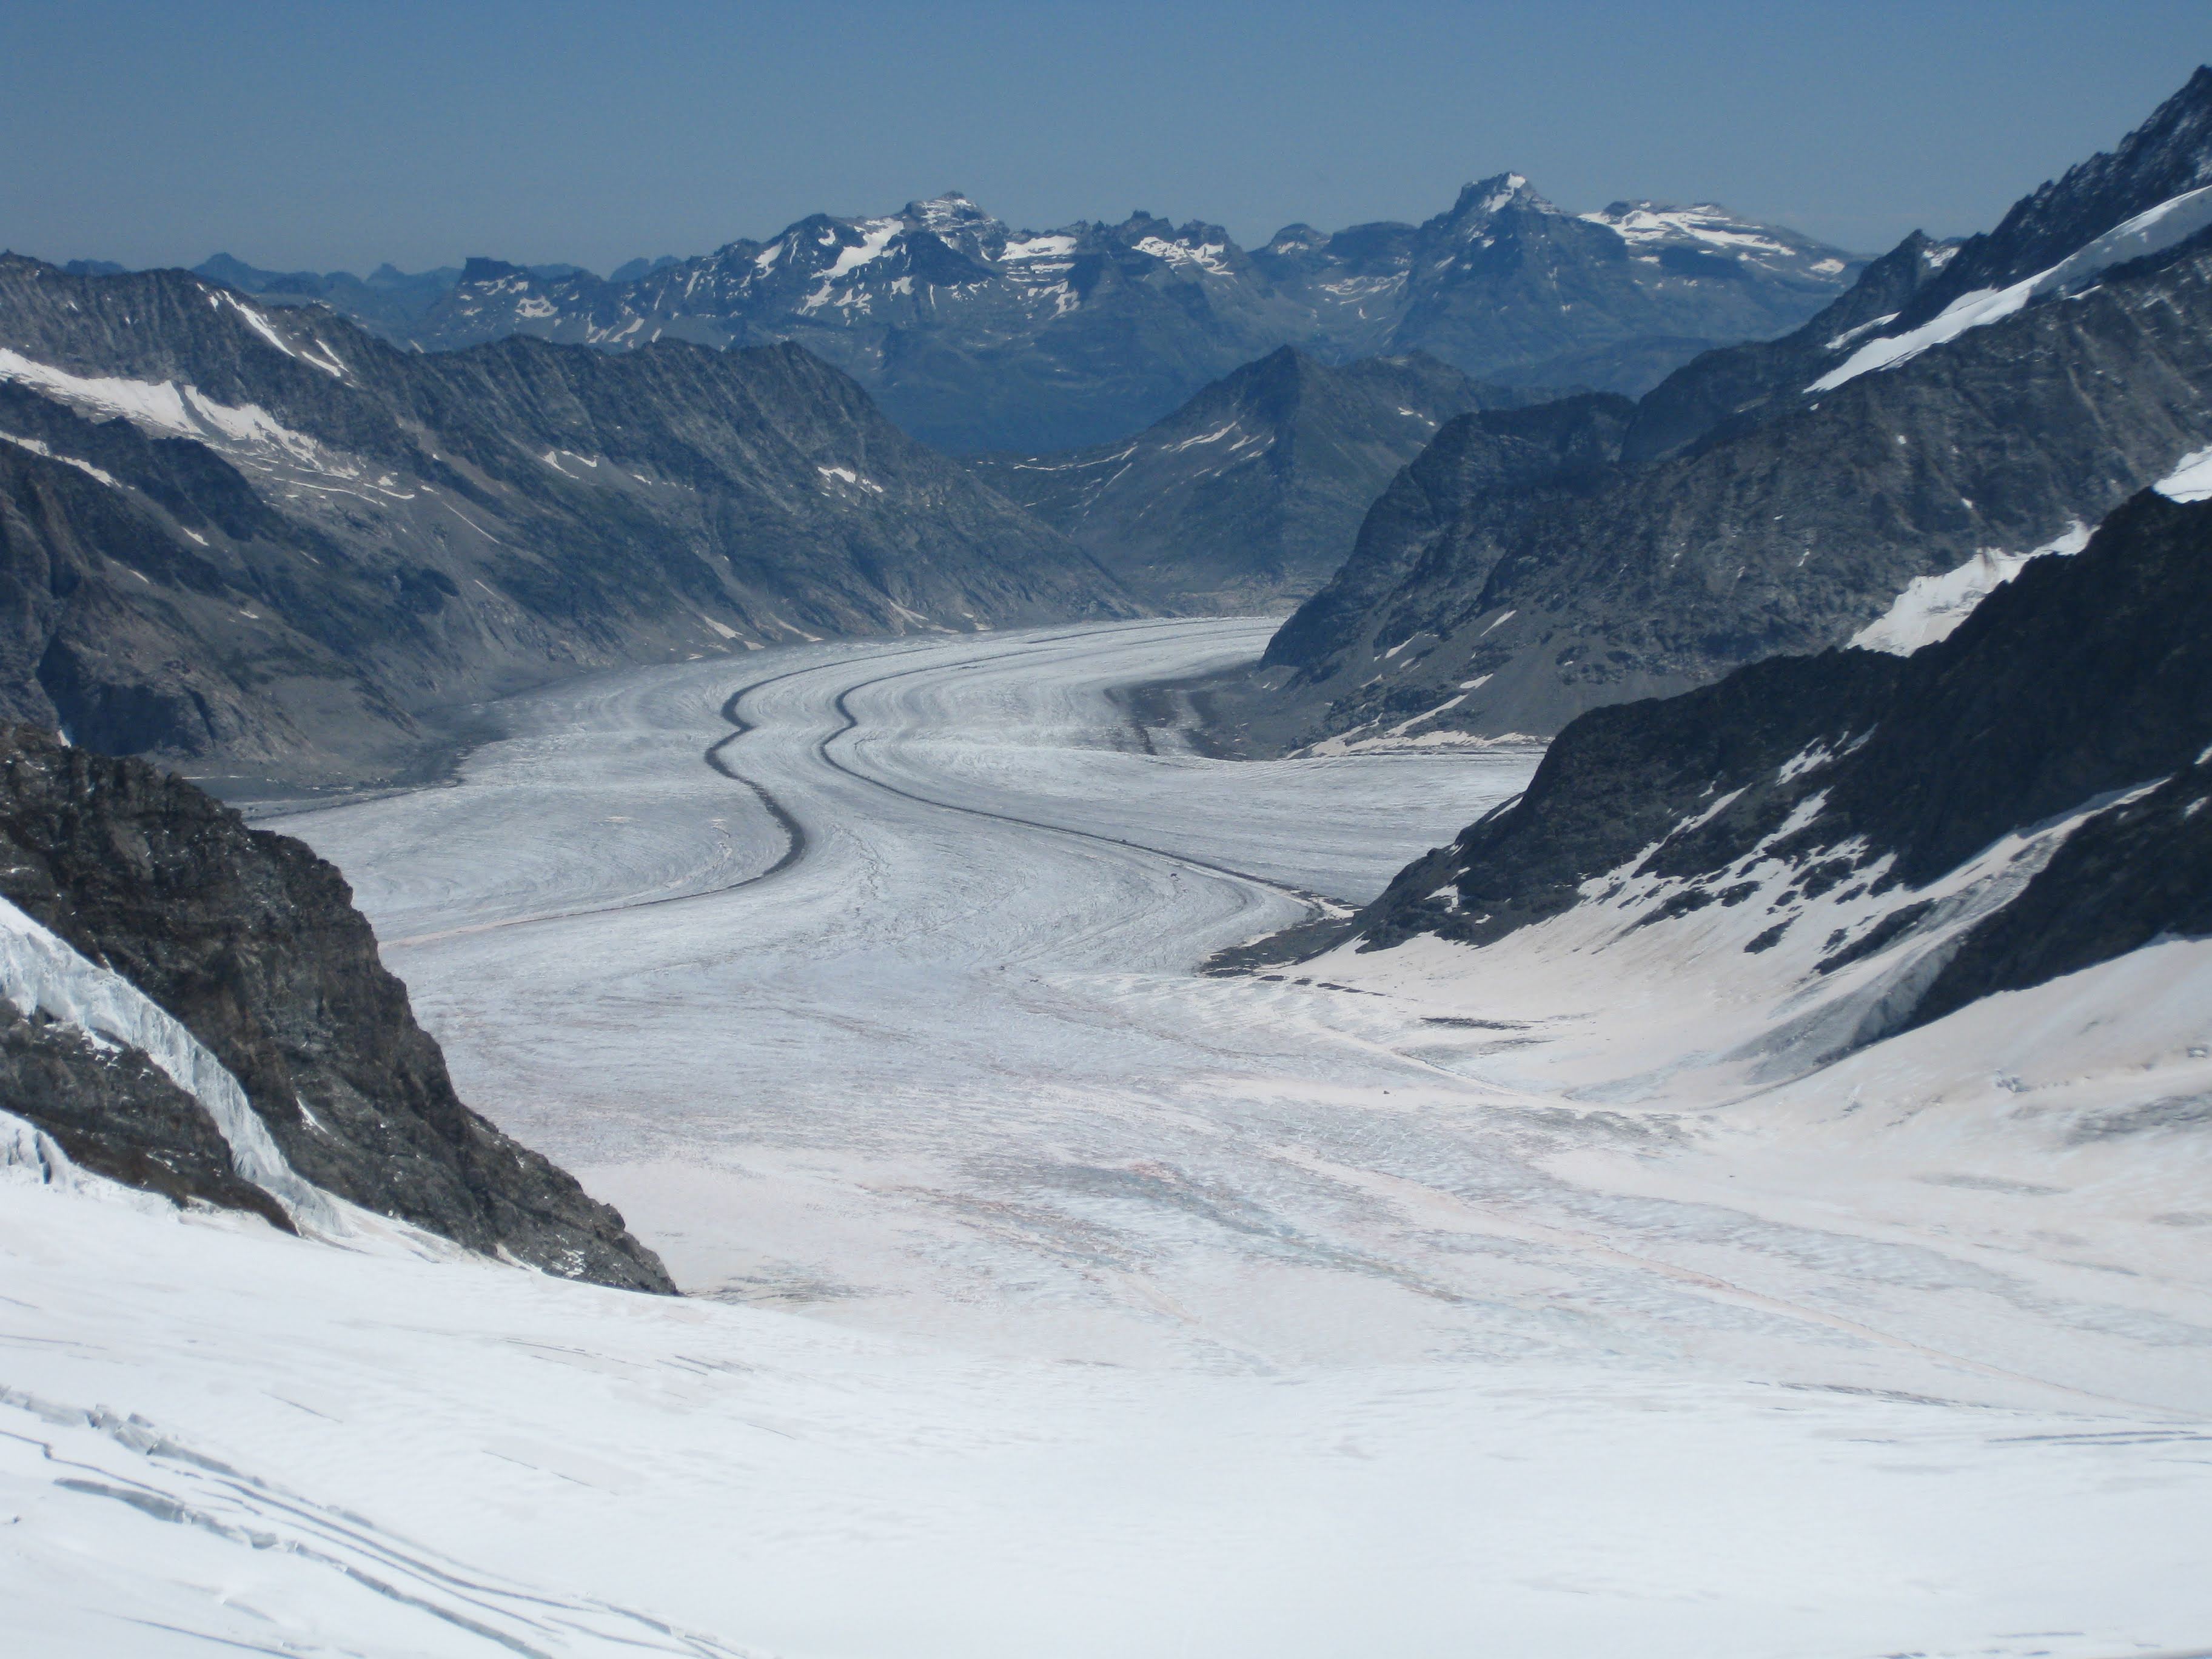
1048, 1296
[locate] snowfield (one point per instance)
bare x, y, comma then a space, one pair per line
1049, 1299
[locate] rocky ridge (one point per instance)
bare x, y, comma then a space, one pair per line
1779, 498
252, 943
2020, 800
975, 336
2160, 163
260, 542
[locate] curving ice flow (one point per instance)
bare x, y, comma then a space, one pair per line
1052, 1298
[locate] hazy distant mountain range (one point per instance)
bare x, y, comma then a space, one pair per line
974, 335
1252, 490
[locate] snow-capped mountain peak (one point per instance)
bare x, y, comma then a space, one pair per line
944, 275
1651, 229
1483, 200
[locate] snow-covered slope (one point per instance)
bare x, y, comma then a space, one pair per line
1931, 606
1826, 851
1061, 1301
210, 1436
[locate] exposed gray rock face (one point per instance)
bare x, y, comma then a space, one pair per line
252, 943
2086, 680
1746, 510
1739, 382
977, 337
1463, 497
2170, 154
257, 540
1250, 492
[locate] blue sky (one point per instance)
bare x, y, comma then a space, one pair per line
335, 135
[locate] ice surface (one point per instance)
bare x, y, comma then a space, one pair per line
1056, 1300
212, 1436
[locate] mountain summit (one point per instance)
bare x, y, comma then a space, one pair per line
1869, 475
976, 336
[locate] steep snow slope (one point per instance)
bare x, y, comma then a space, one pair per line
2154, 230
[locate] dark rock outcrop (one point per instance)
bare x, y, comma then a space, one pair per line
2084, 687
252, 943
112, 1111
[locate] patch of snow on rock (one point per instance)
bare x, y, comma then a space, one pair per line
2191, 479
37, 447
2150, 232
1931, 606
